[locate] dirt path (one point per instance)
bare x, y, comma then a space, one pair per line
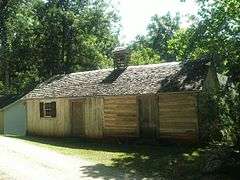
22, 161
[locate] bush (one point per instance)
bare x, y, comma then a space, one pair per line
220, 116
209, 124
228, 103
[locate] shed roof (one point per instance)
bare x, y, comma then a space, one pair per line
6, 100
134, 80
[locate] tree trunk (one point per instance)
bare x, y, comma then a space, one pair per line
64, 5
4, 41
5, 63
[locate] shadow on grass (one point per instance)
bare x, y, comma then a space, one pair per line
136, 161
104, 172
145, 166
169, 163
165, 162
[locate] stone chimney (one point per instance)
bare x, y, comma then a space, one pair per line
120, 57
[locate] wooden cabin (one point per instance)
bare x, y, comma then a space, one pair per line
147, 101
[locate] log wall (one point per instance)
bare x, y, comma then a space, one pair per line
121, 116
178, 116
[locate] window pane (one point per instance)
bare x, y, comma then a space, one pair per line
49, 109
48, 106
48, 112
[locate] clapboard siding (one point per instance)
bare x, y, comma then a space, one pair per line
121, 116
1, 122
58, 126
93, 117
178, 116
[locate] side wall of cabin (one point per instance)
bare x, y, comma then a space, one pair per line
87, 117
166, 115
178, 116
44, 126
120, 117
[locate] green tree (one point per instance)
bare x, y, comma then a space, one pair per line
78, 33
43, 38
216, 35
160, 31
6, 9
144, 55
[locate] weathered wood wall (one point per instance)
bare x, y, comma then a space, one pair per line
148, 116
178, 116
121, 116
1, 122
167, 115
77, 118
87, 117
93, 115
59, 126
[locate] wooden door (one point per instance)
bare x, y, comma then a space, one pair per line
147, 116
78, 125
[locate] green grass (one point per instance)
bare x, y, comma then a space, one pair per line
146, 161
92, 151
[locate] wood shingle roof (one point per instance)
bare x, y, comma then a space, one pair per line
134, 80
6, 100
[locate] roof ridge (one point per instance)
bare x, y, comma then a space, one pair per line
133, 66
155, 65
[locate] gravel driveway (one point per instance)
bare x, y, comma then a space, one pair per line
22, 161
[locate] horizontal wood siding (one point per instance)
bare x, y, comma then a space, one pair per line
56, 127
93, 117
1, 123
178, 116
121, 116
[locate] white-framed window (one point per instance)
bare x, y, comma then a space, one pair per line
48, 109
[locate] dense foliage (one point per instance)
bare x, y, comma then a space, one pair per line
42, 38
229, 108
217, 35
153, 48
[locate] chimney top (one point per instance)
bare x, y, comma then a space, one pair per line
119, 48
120, 57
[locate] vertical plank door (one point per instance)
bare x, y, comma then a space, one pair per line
78, 125
147, 116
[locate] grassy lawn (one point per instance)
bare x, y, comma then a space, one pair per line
146, 161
